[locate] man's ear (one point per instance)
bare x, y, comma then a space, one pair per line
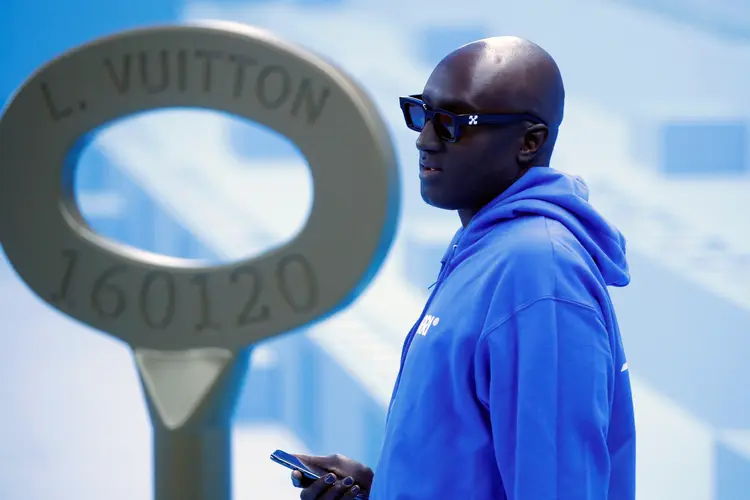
534, 140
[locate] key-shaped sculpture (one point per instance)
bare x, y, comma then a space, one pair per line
190, 326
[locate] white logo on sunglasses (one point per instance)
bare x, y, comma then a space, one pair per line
473, 119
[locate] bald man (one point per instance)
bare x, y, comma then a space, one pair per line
513, 382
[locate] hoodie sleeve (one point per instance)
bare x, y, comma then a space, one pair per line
545, 375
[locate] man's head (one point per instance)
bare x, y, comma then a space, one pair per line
496, 76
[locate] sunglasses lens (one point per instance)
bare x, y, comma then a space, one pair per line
444, 125
415, 115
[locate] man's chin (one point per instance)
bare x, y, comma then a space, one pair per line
438, 199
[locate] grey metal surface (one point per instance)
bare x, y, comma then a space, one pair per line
157, 302
190, 325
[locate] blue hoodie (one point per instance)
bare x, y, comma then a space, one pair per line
513, 382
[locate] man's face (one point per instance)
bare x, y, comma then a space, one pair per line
467, 174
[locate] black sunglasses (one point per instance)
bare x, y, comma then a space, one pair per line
448, 125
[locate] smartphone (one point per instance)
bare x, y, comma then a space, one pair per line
291, 462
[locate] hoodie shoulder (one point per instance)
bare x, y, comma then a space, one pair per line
540, 257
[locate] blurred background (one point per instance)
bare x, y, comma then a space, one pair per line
656, 123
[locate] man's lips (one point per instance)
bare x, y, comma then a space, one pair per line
429, 168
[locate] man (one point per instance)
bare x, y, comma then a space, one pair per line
521, 390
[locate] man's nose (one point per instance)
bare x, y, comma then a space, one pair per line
428, 139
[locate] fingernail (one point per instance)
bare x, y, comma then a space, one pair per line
355, 489
348, 481
330, 479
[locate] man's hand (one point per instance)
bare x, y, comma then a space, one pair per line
345, 479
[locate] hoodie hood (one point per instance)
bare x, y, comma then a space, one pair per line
553, 194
